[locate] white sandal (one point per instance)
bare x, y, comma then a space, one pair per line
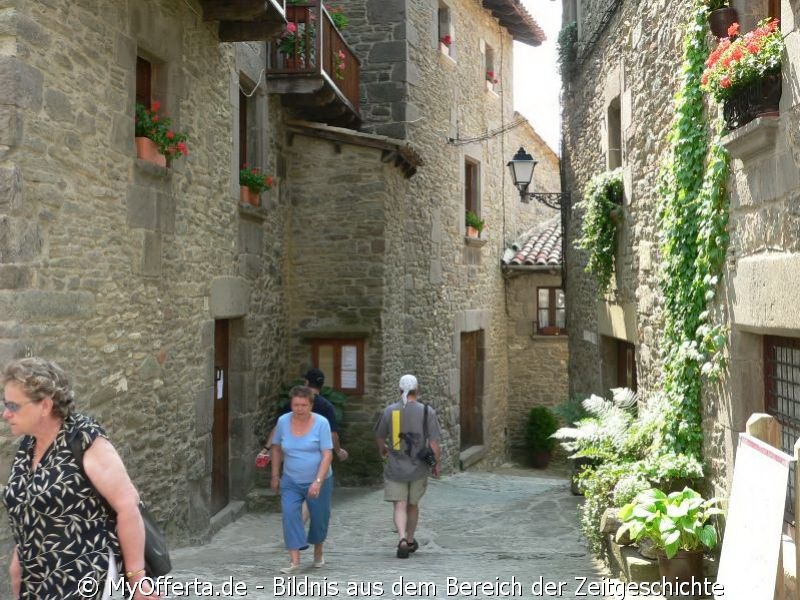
292, 568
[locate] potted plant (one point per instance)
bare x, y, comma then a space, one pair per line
721, 15
156, 141
539, 428
251, 183
745, 73
491, 80
444, 44
292, 44
678, 526
474, 224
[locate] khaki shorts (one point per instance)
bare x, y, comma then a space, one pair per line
405, 491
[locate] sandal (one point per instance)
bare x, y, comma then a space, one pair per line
413, 546
402, 549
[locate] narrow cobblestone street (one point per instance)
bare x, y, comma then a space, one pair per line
509, 525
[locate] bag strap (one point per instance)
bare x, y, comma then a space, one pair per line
425, 424
75, 445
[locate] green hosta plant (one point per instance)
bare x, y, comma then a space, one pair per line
678, 521
601, 203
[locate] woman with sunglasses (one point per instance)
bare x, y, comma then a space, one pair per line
67, 544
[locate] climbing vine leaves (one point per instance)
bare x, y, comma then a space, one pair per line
693, 217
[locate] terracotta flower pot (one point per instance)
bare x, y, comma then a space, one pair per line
147, 150
472, 232
248, 196
720, 19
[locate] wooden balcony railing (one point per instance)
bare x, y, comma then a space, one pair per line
312, 45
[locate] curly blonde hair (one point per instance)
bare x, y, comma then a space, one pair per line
40, 379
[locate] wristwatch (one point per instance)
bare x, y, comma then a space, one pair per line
318, 480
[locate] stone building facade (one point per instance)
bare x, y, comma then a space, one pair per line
618, 107
181, 312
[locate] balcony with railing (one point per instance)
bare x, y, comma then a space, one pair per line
246, 20
314, 69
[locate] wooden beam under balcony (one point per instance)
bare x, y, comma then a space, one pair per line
233, 10
246, 20
249, 31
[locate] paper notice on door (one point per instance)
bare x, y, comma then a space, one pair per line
220, 383
349, 358
349, 380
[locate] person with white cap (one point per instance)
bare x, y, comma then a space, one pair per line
407, 431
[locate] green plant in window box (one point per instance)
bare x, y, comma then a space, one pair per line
254, 179
474, 221
148, 123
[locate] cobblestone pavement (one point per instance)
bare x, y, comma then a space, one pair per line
498, 527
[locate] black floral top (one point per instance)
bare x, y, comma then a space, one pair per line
61, 528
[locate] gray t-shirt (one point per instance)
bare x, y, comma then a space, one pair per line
404, 445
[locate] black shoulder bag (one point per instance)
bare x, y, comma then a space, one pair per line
426, 455
156, 552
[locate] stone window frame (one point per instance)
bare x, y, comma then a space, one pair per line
334, 375
552, 308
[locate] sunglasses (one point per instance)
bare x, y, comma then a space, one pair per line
13, 406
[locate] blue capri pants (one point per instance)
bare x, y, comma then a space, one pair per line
292, 497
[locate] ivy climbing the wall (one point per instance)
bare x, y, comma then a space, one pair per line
602, 205
693, 216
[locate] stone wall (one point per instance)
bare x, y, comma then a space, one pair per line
345, 250
117, 269
537, 364
639, 60
636, 63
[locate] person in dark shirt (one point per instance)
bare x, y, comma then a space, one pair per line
322, 406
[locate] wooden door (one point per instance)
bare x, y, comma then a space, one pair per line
471, 410
219, 474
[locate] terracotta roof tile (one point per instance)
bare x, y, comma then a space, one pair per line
540, 245
517, 20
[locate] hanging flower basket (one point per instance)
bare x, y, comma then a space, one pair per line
759, 98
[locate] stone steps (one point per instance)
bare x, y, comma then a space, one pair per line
263, 499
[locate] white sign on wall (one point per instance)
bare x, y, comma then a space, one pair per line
750, 550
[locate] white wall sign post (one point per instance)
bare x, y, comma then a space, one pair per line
749, 560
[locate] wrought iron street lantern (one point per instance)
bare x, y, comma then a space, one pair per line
521, 167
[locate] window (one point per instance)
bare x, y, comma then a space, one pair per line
243, 110
774, 9
551, 311
471, 187
144, 79
490, 72
342, 361
445, 31
782, 399
614, 124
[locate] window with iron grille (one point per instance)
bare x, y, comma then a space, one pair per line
782, 399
